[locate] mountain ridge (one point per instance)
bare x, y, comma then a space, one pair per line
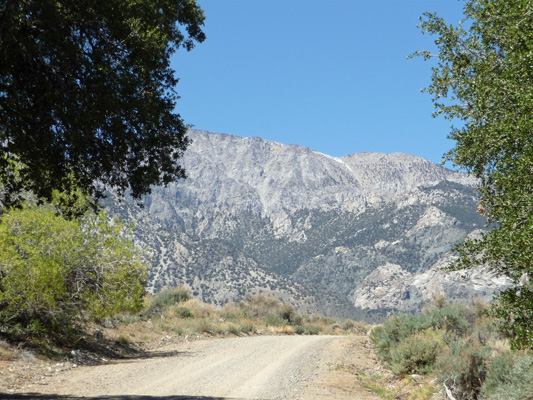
308, 227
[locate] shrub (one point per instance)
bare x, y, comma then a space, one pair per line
247, 327
258, 306
463, 346
311, 330
199, 309
234, 329
455, 320
387, 336
480, 308
349, 324
499, 372
286, 329
171, 296
275, 320
299, 330
54, 271
204, 326
230, 316
184, 312
288, 313
358, 327
415, 354
510, 377
122, 341
178, 330
466, 365
297, 319
5, 351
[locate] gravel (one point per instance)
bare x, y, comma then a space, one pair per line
257, 367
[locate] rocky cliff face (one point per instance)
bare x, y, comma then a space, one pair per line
351, 236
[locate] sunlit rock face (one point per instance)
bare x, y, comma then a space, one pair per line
356, 236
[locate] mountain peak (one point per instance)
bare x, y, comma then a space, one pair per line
256, 216
271, 177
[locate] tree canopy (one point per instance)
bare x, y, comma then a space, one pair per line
484, 80
87, 94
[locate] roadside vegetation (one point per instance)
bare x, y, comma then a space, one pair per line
175, 311
461, 347
171, 313
58, 273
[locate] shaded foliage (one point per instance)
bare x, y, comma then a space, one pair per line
87, 94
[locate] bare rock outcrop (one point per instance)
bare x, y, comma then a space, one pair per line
348, 235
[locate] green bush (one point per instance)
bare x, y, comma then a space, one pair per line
288, 313
56, 272
389, 335
311, 330
466, 364
499, 372
231, 317
171, 296
234, 329
455, 320
275, 320
455, 343
299, 330
247, 327
123, 341
184, 312
259, 306
414, 355
510, 377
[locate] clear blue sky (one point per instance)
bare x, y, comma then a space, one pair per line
331, 75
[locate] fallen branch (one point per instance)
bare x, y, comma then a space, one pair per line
448, 391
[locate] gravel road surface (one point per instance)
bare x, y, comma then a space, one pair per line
257, 367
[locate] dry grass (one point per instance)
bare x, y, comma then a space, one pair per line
254, 314
412, 387
499, 346
6, 352
286, 330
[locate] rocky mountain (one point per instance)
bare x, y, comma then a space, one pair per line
356, 236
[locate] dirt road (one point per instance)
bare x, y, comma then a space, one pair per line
258, 367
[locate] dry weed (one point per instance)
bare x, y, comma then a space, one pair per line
6, 353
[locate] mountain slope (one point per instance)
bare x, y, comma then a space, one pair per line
255, 216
